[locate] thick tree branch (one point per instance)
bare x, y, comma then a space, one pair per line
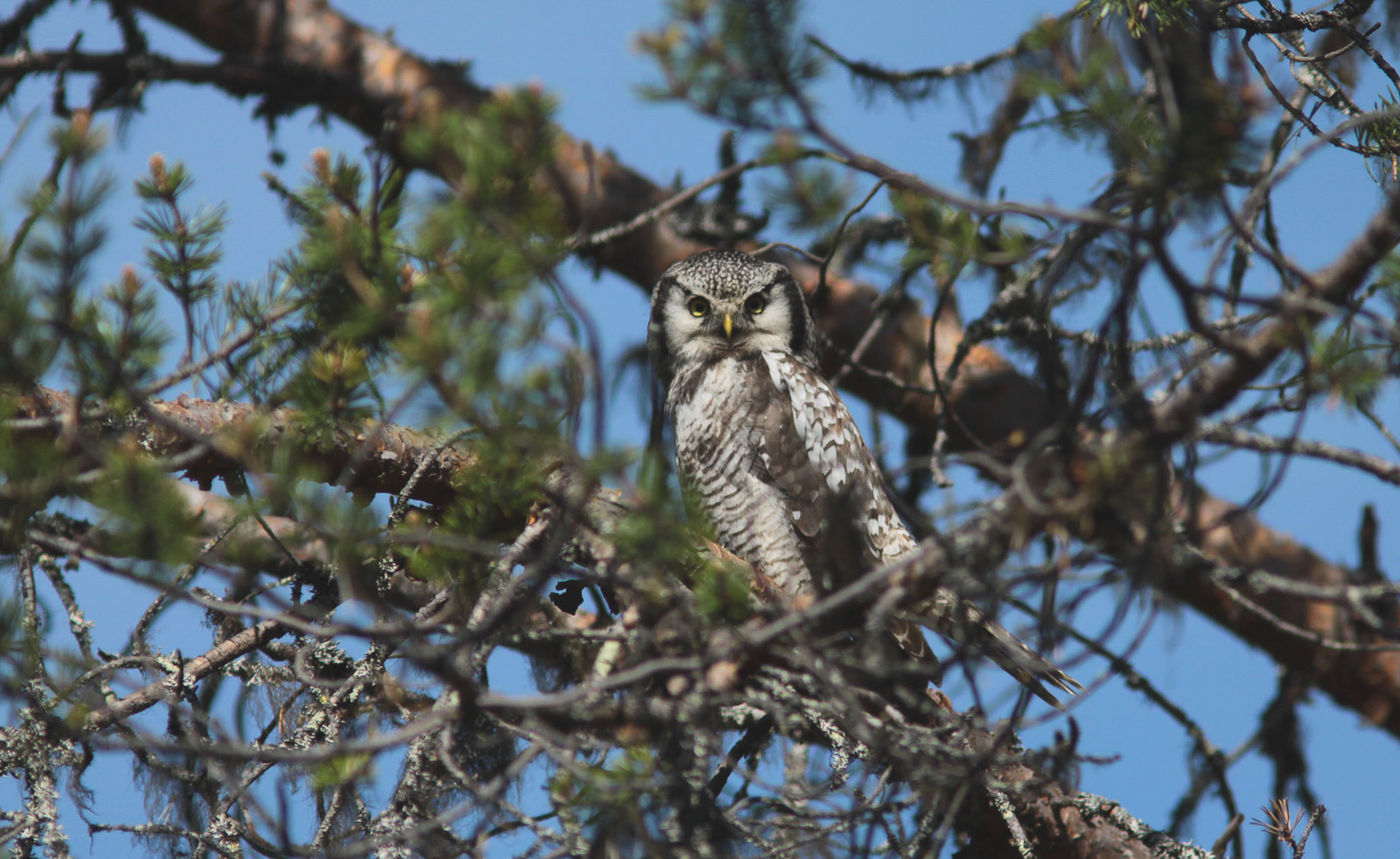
384, 91
1314, 635
1218, 383
209, 439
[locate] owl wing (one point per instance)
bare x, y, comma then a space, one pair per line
809, 449
832, 474
833, 460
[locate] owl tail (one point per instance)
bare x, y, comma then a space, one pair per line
964, 625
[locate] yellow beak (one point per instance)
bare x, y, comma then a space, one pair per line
728, 327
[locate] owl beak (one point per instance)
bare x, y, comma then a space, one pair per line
728, 327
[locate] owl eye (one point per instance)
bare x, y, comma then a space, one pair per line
755, 304
697, 306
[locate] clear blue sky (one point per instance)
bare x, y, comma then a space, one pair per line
581, 52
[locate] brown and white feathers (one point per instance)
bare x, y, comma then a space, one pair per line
776, 459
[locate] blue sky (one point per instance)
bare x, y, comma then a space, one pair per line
582, 53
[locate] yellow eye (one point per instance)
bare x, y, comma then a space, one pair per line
697, 306
755, 304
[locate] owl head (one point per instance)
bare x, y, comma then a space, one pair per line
718, 303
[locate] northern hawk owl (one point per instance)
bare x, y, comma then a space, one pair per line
777, 462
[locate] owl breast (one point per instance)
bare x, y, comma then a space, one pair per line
724, 412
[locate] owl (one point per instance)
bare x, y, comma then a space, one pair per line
775, 459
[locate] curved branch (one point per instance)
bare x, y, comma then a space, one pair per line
215, 438
189, 673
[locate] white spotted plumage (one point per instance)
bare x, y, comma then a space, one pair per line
833, 442
775, 457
